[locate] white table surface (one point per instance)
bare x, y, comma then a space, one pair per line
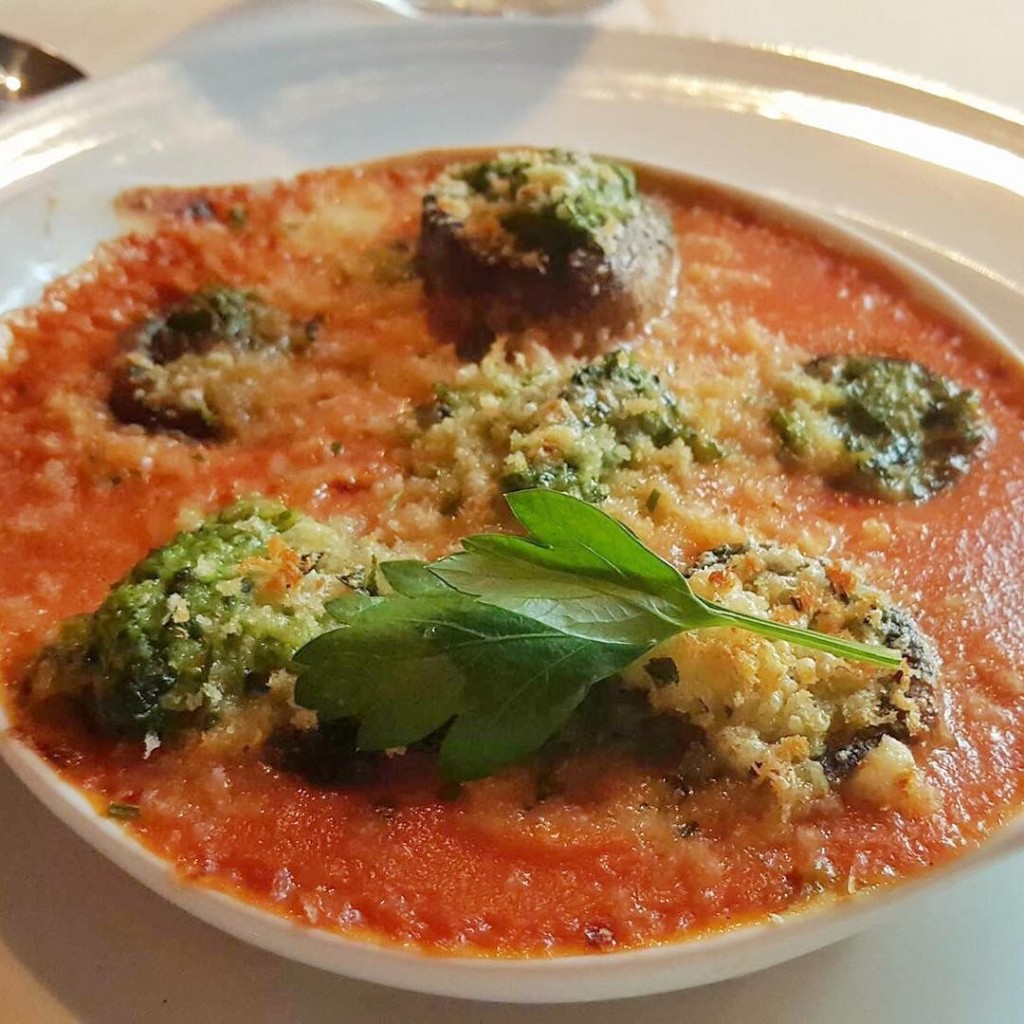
973, 45
79, 941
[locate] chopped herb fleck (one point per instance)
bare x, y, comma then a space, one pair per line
122, 811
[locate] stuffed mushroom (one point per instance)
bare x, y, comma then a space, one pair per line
545, 238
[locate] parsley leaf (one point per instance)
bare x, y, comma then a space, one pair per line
345, 609
524, 679
385, 669
412, 579
406, 666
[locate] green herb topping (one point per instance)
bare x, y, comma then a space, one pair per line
502, 641
123, 812
201, 622
885, 427
215, 315
238, 217
184, 368
547, 201
616, 408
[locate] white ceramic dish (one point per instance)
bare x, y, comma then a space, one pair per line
239, 104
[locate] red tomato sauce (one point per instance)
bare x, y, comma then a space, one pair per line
491, 870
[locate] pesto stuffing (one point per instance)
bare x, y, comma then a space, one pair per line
550, 201
886, 427
200, 623
178, 368
211, 316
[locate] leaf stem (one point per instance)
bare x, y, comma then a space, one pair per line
874, 655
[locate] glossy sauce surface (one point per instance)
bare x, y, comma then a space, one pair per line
500, 868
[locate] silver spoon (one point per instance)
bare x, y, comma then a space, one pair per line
27, 71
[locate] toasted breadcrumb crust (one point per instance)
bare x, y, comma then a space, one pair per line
514, 420
793, 719
201, 365
590, 198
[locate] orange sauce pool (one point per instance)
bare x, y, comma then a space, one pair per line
494, 869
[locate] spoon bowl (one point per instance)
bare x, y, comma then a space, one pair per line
27, 70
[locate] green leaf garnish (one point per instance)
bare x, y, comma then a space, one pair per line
386, 669
405, 666
412, 579
345, 609
523, 680
582, 572
501, 641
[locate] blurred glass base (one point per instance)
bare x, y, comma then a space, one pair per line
510, 8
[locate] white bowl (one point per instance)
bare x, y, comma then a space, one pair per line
688, 962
